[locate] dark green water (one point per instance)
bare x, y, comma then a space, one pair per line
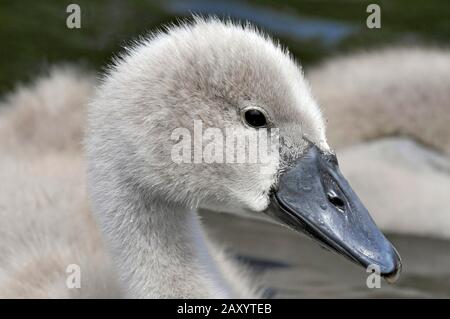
33, 34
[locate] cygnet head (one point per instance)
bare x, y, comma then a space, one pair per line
161, 120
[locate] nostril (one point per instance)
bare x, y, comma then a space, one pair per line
334, 199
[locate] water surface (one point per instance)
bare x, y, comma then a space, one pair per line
292, 266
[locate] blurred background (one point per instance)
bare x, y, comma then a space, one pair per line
33, 34
385, 93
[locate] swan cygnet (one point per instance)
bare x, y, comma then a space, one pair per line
145, 202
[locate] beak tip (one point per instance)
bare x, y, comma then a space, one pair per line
392, 273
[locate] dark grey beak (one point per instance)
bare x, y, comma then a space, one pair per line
313, 197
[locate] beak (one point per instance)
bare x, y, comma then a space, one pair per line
314, 198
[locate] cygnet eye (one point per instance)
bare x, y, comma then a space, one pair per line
255, 118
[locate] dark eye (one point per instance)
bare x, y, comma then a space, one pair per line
255, 118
